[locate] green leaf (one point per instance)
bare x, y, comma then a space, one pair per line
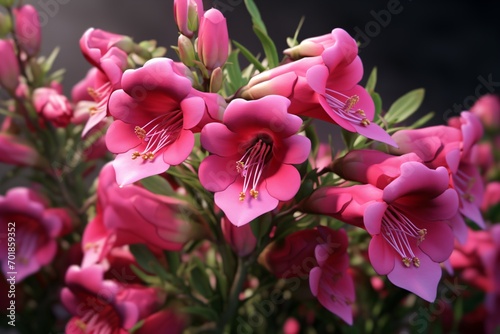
269, 47
158, 185
372, 81
47, 64
405, 106
260, 30
204, 312
377, 100
255, 14
423, 120
234, 77
148, 261
250, 57
291, 42
199, 279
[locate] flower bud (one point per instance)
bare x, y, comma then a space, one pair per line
28, 29
213, 40
52, 106
487, 108
14, 151
187, 14
9, 67
216, 80
240, 238
5, 25
186, 50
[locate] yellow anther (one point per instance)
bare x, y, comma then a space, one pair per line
406, 262
80, 324
239, 166
416, 262
351, 102
92, 111
365, 122
361, 112
140, 132
242, 196
148, 155
254, 193
135, 155
93, 94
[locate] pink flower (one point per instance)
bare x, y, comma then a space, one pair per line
291, 326
320, 255
28, 31
154, 112
187, 15
131, 214
407, 217
35, 228
99, 305
251, 169
95, 43
52, 106
487, 108
240, 238
101, 83
9, 67
213, 40
453, 148
15, 151
164, 321
491, 196
329, 281
324, 87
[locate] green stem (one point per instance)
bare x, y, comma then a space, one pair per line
232, 304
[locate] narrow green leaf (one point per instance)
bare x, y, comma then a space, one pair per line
423, 120
148, 261
255, 14
372, 81
204, 312
234, 77
250, 57
377, 100
291, 42
269, 47
47, 64
158, 185
405, 106
199, 279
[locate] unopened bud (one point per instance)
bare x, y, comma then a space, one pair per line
216, 80
186, 50
187, 14
213, 40
27, 29
9, 67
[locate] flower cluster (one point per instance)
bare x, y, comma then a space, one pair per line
187, 194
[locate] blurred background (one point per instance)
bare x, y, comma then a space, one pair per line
450, 48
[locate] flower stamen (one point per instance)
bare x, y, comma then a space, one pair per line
346, 109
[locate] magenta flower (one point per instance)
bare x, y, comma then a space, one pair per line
240, 238
311, 47
408, 217
213, 40
131, 214
100, 305
453, 148
99, 84
36, 228
52, 106
487, 108
320, 255
154, 113
15, 151
324, 87
9, 67
28, 31
251, 169
329, 281
95, 43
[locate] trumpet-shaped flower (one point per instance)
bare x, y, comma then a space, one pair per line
254, 149
154, 113
324, 87
35, 227
408, 220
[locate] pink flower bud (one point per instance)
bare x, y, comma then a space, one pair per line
311, 47
187, 14
241, 239
52, 106
487, 108
9, 67
28, 30
213, 40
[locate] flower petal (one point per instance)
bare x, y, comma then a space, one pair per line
129, 170
284, 183
218, 139
121, 137
179, 150
217, 173
382, 256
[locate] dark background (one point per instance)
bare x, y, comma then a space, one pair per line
445, 47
